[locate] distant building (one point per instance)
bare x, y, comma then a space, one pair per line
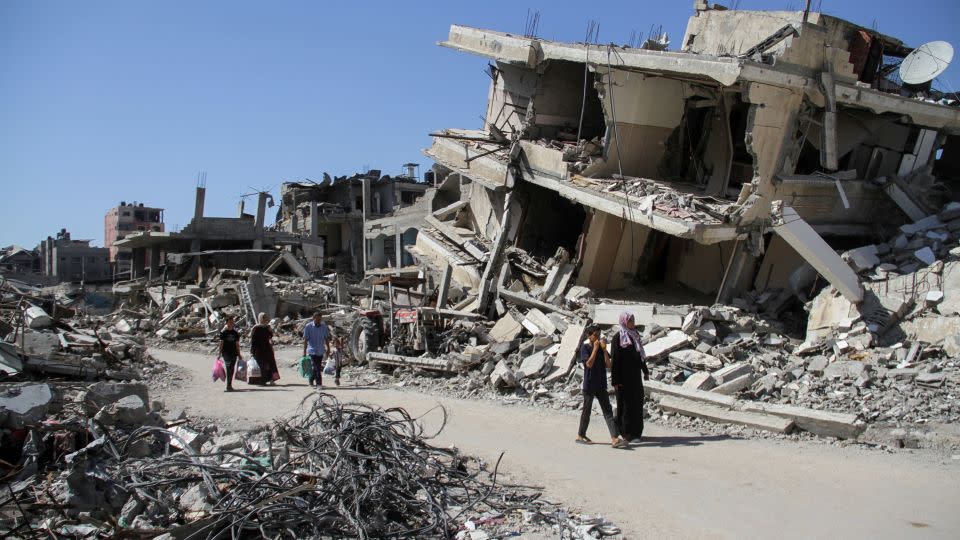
18, 260
122, 220
74, 260
331, 213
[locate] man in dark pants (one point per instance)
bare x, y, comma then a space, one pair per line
230, 350
316, 343
596, 360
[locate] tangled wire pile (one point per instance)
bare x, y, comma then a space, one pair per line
331, 471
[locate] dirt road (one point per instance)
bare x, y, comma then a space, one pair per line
676, 485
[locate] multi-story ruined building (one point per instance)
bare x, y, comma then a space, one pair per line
122, 220
67, 260
333, 213
661, 169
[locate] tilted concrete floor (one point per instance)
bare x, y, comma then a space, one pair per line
675, 484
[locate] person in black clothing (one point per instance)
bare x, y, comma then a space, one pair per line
596, 360
230, 350
629, 362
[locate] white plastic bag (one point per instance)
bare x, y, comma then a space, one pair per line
253, 369
331, 366
240, 372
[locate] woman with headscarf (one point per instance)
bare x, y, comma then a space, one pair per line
627, 373
261, 349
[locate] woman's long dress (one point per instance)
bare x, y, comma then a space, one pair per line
262, 350
626, 374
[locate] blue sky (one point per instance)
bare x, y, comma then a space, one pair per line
108, 101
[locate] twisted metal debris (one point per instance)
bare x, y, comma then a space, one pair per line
333, 470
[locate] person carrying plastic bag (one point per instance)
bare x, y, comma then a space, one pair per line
230, 350
316, 343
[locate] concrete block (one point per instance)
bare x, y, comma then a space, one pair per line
925, 255
700, 380
659, 348
40, 343
36, 318
24, 405
951, 289
733, 386
508, 328
822, 423
845, 369
933, 297
123, 326
862, 258
766, 422
695, 360
731, 372
541, 321
925, 224
569, 352
127, 411
502, 376
104, 393
534, 365
950, 212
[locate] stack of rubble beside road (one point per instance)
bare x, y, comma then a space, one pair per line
106, 461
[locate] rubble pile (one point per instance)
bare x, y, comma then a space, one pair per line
652, 195
39, 345
189, 316
102, 462
890, 361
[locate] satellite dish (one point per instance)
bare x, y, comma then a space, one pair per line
926, 62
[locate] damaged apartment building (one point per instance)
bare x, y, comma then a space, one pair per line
332, 214
739, 163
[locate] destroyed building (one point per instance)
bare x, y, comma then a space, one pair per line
219, 242
67, 260
332, 214
20, 263
661, 170
122, 220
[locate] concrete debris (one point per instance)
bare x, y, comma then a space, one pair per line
110, 478
24, 405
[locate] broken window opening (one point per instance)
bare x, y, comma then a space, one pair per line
683, 158
549, 221
409, 197
741, 169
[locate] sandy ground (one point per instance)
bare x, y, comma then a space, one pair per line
676, 484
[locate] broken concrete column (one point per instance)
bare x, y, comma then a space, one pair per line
314, 220
198, 208
811, 246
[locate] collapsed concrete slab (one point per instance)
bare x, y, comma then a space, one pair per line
713, 413
822, 423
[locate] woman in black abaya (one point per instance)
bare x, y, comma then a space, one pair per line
627, 373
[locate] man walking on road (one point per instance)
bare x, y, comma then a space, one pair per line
316, 343
596, 360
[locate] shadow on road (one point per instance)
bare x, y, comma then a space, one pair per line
666, 442
333, 388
